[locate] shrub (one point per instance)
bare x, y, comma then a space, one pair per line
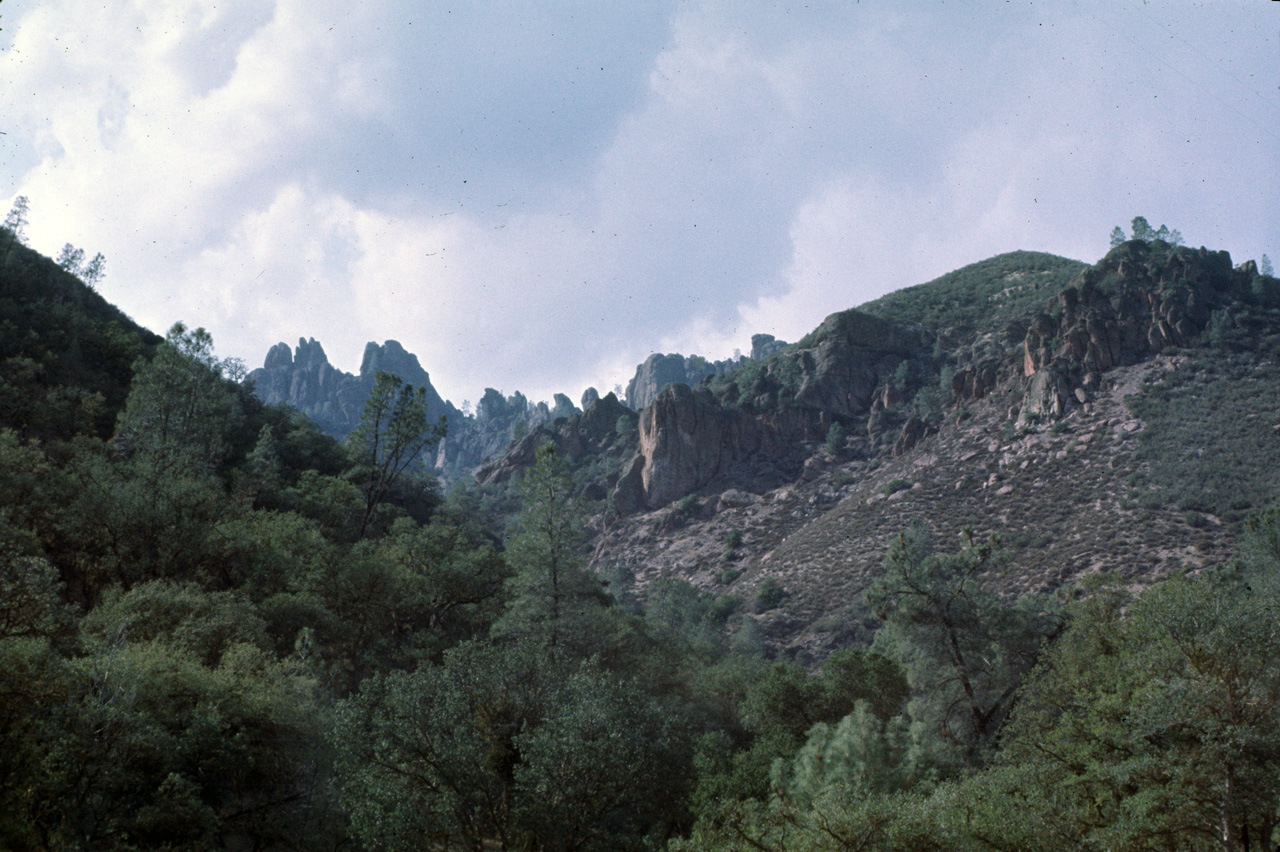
836, 436
771, 595
895, 486
729, 575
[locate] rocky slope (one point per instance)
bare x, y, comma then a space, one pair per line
1025, 423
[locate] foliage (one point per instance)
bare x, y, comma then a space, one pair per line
392, 434
893, 486
770, 595
498, 746
15, 223
981, 297
1153, 723
66, 355
182, 407
223, 630
553, 599
836, 437
1142, 230
964, 649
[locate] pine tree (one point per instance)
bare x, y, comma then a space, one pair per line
554, 597
16, 222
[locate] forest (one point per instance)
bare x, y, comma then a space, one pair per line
220, 628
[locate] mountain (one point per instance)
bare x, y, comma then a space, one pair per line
1028, 395
1121, 417
305, 379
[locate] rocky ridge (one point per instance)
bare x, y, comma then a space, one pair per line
1036, 441
304, 378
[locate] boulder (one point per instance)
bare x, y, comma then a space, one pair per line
913, 431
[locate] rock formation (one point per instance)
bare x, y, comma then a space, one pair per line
577, 435
1137, 301
305, 379
658, 371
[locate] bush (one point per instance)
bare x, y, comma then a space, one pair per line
895, 486
771, 595
729, 575
836, 436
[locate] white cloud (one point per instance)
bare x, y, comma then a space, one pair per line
538, 200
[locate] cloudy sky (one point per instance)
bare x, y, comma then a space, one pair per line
536, 195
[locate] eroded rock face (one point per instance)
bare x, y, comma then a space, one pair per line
1138, 300
913, 431
658, 371
850, 356
306, 380
688, 441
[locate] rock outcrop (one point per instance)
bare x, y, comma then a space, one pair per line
689, 441
1137, 301
764, 345
607, 425
659, 371
305, 379
847, 358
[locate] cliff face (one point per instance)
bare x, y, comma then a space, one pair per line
688, 440
750, 434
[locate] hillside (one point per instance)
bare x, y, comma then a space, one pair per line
1117, 419
66, 354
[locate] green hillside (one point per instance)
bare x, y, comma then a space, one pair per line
66, 354
981, 297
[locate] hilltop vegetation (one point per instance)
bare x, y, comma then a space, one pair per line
982, 297
220, 628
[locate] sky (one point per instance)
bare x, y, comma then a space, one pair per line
537, 195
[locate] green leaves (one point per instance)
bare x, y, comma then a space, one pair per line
392, 434
965, 650
505, 747
182, 407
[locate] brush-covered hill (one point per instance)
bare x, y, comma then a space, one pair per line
66, 354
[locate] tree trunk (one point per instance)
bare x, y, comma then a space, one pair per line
1228, 824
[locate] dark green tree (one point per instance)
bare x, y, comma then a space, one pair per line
554, 599
506, 748
183, 405
1141, 229
1153, 723
392, 435
964, 649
